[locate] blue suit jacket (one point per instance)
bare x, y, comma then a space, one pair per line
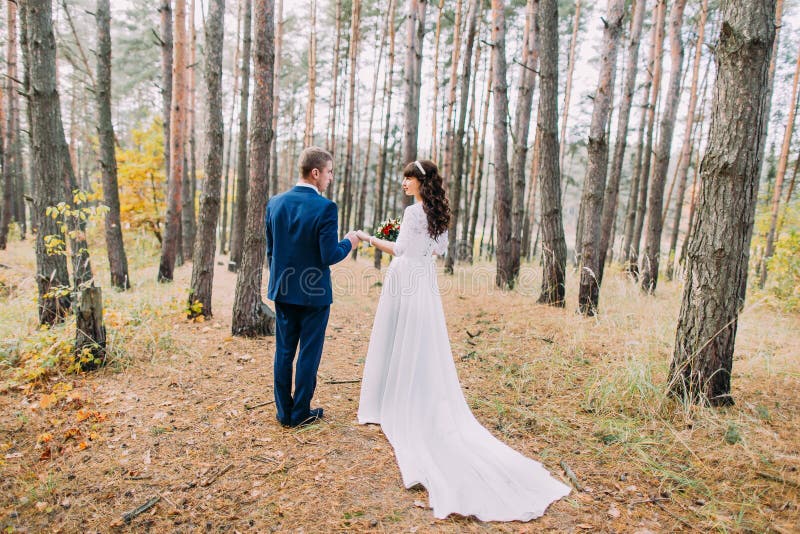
302, 244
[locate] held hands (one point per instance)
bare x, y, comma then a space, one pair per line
363, 236
354, 240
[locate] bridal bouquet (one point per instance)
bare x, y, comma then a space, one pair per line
388, 230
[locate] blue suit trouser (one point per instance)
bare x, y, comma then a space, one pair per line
303, 325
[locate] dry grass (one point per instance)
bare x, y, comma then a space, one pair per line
168, 417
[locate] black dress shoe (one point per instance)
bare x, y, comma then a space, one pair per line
314, 415
285, 425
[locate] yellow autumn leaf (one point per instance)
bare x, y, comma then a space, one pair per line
47, 400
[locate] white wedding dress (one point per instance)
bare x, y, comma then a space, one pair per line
410, 387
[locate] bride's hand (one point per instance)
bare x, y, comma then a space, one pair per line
362, 235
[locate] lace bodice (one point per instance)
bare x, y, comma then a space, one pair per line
414, 241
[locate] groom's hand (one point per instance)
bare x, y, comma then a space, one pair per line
351, 235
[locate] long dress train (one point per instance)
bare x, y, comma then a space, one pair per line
410, 387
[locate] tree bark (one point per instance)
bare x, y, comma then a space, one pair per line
11, 152
655, 223
412, 79
169, 248
644, 174
273, 182
554, 248
242, 173
503, 192
166, 76
308, 138
380, 211
453, 251
435, 105
450, 104
362, 198
780, 175
49, 145
117, 259
189, 186
335, 85
629, 86
595, 181
203, 259
573, 48
223, 232
522, 120
251, 317
704, 343
765, 128
688, 138
346, 201
480, 166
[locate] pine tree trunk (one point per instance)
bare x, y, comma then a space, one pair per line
412, 79
450, 104
453, 251
530, 60
308, 138
251, 317
380, 211
629, 86
644, 175
503, 192
655, 223
554, 248
362, 198
188, 189
11, 152
692, 201
117, 260
24, 42
595, 181
573, 48
242, 173
688, 139
273, 182
347, 187
435, 99
764, 130
48, 147
166, 76
783, 162
704, 343
172, 233
530, 209
474, 186
480, 165
203, 259
226, 187
335, 85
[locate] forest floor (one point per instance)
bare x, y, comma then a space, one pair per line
175, 417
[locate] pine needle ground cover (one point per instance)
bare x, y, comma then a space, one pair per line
177, 430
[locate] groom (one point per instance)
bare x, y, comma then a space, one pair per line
302, 244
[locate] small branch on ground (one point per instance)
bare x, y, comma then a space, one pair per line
127, 517
776, 478
571, 475
213, 478
259, 405
354, 381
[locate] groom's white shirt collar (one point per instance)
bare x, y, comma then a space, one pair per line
312, 186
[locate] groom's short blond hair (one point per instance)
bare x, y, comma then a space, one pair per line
313, 157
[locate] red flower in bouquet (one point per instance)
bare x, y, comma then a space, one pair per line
388, 230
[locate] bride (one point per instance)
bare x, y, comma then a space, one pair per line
410, 386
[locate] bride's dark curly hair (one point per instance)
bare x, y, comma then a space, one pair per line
434, 199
